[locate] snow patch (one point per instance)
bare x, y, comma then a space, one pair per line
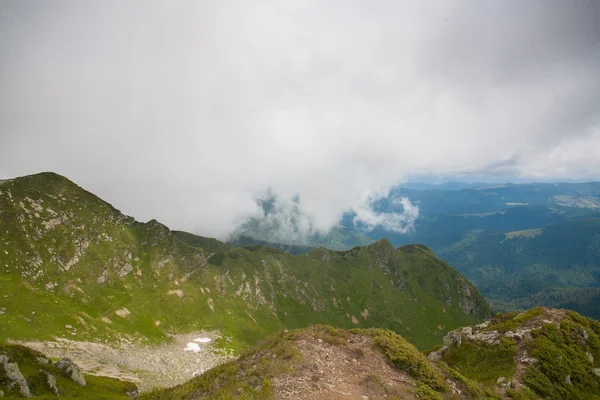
191, 346
194, 346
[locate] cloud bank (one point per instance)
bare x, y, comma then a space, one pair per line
189, 112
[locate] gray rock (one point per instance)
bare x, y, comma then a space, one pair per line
453, 337
134, 394
530, 360
436, 355
466, 331
582, 333
590, 357
568, 379
72, 370
127, 268
50, 381
42, 359
14, 375
482, 325
504, 383
490, 337
596, 371
509, 334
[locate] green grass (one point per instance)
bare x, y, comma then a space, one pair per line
29, 365
408, 358
562, 351
209, 245
483, 362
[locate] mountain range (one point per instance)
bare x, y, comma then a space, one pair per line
522, 245
95, 304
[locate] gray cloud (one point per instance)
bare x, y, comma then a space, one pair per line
189, 113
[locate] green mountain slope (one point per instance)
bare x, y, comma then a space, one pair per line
73, 266
541, 353
209, 245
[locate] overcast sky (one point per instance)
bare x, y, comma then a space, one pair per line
188, 111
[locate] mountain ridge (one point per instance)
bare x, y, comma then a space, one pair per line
75, 268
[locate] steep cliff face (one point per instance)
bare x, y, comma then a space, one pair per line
73, 266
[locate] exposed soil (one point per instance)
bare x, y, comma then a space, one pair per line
355, 370
148, 366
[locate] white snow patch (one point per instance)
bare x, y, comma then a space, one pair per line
202, 340
191, 346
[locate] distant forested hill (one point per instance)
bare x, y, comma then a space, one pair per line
523, 245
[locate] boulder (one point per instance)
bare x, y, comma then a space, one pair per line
437, 354
568, 380
50, 381
72, 370
14, 375
134, 394
530, 360
42, 360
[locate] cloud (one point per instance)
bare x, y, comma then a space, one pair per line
188, 113
282, 221
398, 222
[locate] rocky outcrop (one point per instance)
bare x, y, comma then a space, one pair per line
72, 370
455, 338
14, 375
50, 381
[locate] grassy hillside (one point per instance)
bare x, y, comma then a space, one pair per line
541, 353
35, 368
73, 266
242, 241
209, 245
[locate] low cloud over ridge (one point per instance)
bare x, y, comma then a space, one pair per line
190, 112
